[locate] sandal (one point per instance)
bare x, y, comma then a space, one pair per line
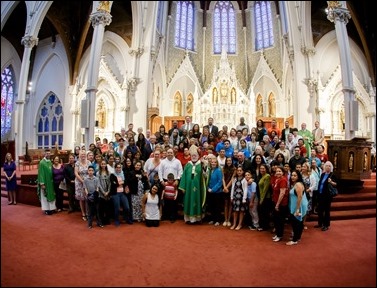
84, 218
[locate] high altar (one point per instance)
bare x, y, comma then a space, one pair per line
224, 99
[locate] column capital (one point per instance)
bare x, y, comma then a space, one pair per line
100, 17
29, 41
336, 12
132, 83
136, 52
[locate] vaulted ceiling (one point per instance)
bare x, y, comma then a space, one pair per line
70, 20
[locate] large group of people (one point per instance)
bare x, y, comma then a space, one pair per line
246, 176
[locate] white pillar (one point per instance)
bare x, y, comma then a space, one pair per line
339, 14
99, 20
29, 42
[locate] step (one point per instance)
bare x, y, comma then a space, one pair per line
353, 205
362, 196
345, 215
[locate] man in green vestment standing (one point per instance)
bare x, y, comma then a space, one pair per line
46, 184
307, 136
192, 184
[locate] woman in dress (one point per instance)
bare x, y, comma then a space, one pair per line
58, 177
238, 196
81, 172
138, 185
11, 180
229, 171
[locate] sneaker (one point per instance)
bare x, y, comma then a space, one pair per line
225, 223
217, 224
210, 222
290, 243
277, 239
252, 228
274, 237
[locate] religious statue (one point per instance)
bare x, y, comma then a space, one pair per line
342, 119
215, 96
259, 107
233, 96
335, 160
104, 6
101, 114
224, 92
271, 106
365, 166
350, 162
177, 106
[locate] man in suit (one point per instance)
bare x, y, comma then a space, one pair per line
188, 124
212, 128
175, 126
149, 147
285, 132
318, 135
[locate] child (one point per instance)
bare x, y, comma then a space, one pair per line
169, 195
253, 201
91, 187
238, 197
151, 207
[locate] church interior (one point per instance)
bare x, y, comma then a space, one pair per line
73, 71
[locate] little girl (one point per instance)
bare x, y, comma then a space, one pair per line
238, 197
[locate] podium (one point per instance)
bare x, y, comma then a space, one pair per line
351, 158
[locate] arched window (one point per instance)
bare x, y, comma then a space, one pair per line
224, 28
7, 100
264, 36
184, 25
50, 123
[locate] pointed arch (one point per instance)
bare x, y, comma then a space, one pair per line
7, 100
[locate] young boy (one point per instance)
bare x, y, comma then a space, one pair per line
169, 195
253, 201
91, 187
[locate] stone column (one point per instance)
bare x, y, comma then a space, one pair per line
29, 42
338, 13
99, 20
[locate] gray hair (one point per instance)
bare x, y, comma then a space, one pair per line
331, 165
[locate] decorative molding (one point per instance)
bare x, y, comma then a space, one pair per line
29, 41
100, 18
335, 12
136, 52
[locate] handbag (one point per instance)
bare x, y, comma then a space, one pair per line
333, 190
63, 185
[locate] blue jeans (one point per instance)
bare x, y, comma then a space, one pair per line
120, 198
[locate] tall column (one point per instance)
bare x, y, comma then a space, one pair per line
99, 20
338, 13
29, 42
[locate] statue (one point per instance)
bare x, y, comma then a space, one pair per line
350, 163
271, 106
224, 92
101, 114
233, 96
365, 166
177, 106
335, 160
259, 107
215, 96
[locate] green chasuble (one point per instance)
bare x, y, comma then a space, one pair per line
45, 177
193, 186
308, 140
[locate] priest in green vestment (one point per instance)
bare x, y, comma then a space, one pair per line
46, 184
193, 186
308, 138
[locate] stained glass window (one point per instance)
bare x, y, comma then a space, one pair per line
184, 25
264, 36
7, 101
224, 28
50, 123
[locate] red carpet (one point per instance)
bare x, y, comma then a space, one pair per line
59, 250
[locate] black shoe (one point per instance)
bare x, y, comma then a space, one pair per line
324, 228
